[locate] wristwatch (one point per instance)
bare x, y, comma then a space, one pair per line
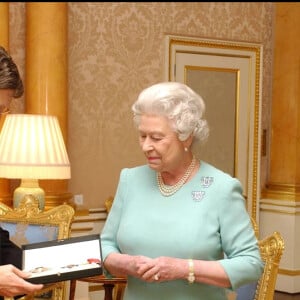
191, 276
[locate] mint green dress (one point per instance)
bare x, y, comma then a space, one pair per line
206, 219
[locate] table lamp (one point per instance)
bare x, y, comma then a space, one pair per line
32, 148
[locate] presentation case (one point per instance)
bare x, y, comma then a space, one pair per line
65, 259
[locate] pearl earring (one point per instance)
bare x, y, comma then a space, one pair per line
186, 149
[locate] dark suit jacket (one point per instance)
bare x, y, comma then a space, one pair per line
10, 253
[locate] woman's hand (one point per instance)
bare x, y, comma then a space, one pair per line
162, 269
148, 269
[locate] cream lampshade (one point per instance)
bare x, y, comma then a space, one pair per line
32, 148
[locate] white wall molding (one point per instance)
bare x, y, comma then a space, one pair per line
284, 216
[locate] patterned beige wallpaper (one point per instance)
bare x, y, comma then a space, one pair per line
115, 50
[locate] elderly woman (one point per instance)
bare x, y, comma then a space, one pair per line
178, 228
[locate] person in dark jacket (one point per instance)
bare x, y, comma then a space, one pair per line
12, 279
10, 253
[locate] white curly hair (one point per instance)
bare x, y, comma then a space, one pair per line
179, 103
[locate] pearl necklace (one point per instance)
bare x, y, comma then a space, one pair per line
168, 190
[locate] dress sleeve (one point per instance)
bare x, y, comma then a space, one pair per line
110, 230
242, 261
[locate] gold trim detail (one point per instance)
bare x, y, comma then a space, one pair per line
282, 212
54, 200
271, 250
89, 220
82, 229
289, 272
282, 191
28, 212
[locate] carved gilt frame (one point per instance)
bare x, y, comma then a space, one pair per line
33, 219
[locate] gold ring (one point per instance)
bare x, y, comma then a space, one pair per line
156, 277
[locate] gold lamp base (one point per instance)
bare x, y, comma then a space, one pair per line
29, 187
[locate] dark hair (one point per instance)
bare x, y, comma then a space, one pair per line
9, 74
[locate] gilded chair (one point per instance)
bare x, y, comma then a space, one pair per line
271, 250
28, 224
